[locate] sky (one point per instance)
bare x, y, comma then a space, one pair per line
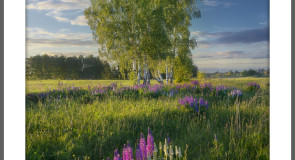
231, 34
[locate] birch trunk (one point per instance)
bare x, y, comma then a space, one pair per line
160, 76
160, 79
171, 75
145, 74
148, 78
134, 65
167, 75
139, 72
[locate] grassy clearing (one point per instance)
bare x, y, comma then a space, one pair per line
69, 129
43, 85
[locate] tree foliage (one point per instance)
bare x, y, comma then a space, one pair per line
149, 33
60, 67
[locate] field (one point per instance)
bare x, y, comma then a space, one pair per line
90, 122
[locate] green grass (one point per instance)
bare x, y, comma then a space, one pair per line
33, 86
67, 129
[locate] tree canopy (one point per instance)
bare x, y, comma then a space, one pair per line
146, 33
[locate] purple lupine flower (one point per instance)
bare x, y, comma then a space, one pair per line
185, 85
206, 85
125, 153
108, 158
236, 92
196, 83
220, 88
168, 139
178, 86
253, 86
139, 155
189, 100
196, 105
206, 104
129, 151
201, 102
182, 102
117, 155
150, 143
143, 146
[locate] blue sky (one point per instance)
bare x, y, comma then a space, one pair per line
231, 34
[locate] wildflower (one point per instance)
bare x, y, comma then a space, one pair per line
206, 86
201, 102
139, 153
143, 146
253, 86
150, 143
129, 152
117, 155
168, 139
206, 104
221, 90
236, 92
125, 153
182, 102
195, 83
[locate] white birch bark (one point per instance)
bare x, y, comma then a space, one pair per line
171, 75
145, 73
160, 76
148, 78
134, 65
139, 72
167, 75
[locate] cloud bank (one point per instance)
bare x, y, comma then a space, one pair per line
56, 9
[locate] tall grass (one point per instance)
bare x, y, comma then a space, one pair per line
68, 129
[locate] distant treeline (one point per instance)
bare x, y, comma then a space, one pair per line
61, 67
71, 68
244, 73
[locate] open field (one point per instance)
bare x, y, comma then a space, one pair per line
90, 123
43, 85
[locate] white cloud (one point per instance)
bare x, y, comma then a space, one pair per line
70, 54
233, 64
56, 9
213, 3
40, 35
210, 3
61, 19
80, 20
62, 42
62, 5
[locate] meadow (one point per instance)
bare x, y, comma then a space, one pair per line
89, 119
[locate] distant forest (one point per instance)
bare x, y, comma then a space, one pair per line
244, 73
90, 67
61, 67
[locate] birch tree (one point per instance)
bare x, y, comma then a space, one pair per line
141, 33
